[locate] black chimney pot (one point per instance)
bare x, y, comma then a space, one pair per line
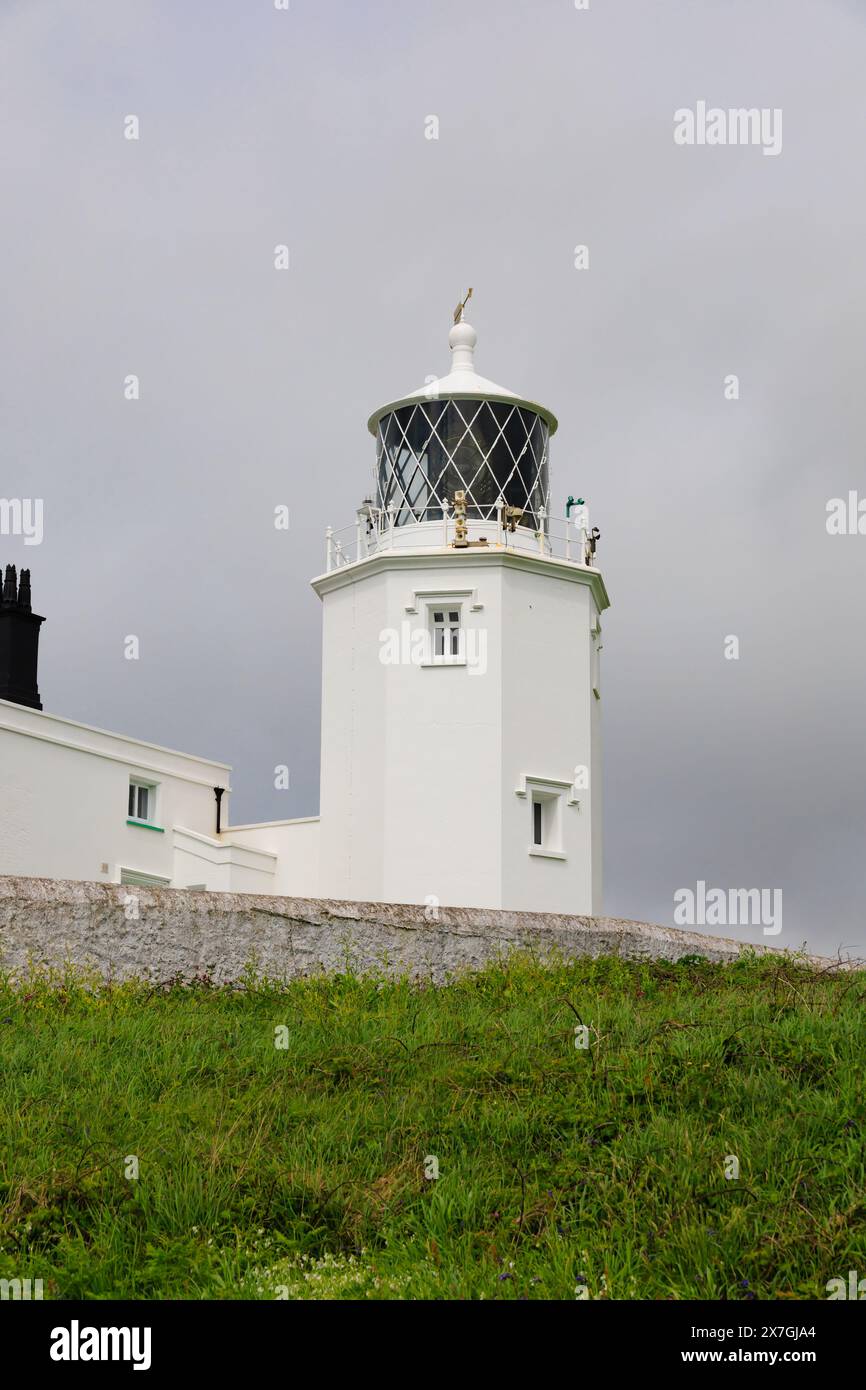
19, 641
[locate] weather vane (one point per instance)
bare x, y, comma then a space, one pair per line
458, 312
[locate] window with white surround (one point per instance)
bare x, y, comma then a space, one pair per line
444, 626
547, 800
445, 632
546, 826
537, 822
141, 805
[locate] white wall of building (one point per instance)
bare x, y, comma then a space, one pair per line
595, 799
294, 847
64, 799
547, 734
428, 768
441, 826
406, 749
354, 733
422, 765
64, 791
221, 865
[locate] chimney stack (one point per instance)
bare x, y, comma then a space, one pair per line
19, 641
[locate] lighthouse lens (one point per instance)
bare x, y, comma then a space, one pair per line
488, 449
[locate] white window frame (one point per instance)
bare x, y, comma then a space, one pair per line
429, 601
550, 805
452, 631
553, 795
444, 603
152, 789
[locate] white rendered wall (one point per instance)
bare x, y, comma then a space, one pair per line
442, 831
408, 752
596, 784
221, 865
295, 847
547, 734
352, 804
420, 765
64, 793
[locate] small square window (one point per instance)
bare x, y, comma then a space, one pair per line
142, 801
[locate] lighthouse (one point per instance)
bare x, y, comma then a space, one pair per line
461, 688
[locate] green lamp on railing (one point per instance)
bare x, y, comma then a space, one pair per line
573, 502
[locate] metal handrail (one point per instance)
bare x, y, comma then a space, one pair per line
375, 532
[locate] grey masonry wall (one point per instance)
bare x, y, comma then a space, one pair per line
158, 933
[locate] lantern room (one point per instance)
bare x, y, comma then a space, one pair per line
462, 434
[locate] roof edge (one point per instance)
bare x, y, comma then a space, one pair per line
503, 397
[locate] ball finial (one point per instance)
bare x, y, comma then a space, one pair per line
462, 340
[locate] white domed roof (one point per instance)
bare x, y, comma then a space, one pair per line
462, 383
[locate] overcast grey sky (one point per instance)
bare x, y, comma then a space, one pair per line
260, 127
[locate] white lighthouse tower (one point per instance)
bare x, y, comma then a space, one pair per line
461, 757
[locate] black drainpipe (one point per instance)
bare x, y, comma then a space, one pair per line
218, 793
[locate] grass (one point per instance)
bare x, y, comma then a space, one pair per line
299, 1171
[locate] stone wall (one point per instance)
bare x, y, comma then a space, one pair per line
183, 932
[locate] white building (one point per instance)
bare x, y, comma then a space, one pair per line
461, 759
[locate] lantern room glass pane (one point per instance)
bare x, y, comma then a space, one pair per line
487, 449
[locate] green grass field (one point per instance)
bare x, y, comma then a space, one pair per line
298, 1171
